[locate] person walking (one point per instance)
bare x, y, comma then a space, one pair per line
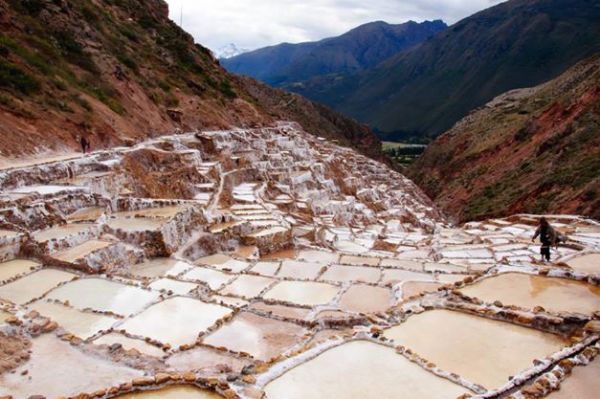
85, 144
547, 236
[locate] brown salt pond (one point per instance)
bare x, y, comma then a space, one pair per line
207, 360
136, 224
13, 268
261, 337
81, 324
583, 383
397, 275
589, 263
173, 392
34, 285
58, 369
366, 299
86, 214
60, 232
176, 321
302, 293
346, 274
358, 370
359, 260
413, 288
104, 295
481, 350
529, 291
279, 255
82, 250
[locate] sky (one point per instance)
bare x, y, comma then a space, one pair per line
252, 24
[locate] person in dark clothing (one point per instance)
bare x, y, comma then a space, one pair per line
85, 144
547, 237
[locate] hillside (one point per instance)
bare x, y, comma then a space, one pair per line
120, 71
425, 90
531, 150
363, 47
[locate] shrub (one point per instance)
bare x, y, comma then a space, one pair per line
13, 77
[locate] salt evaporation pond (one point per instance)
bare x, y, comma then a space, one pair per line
358, 370
583, 383
483, 351
159, 267
34, 285
13, 268
174, 392
302, 293
529, 291
589, 263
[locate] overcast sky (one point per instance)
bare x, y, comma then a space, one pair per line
252, 24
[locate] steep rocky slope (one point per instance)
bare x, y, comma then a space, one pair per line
530, 150
425, 90
363, 47
119, 71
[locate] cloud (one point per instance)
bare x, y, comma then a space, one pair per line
257, 23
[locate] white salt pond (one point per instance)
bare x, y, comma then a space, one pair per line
159, 267
58, 369
214, 278
247, 286
366, 299
302, 293
299, 270
359, 370
104, 295
34, 285
135, 224
481, 350
346, 274
129, 343
589, 263
529, 291
60, 232
174, 286
176, 321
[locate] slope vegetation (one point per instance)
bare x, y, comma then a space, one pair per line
529, 150
119, 71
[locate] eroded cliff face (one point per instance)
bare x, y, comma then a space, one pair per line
121, 71
530, 150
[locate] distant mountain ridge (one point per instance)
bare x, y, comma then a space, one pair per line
228, 51
424, 90
362, 47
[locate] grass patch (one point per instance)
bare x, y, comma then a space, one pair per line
13, 77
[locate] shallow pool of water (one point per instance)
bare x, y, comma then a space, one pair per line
159, 267
34, 285
13, 268
529, 291
261, 337
359, 370
589, 263
173, 392
247, 286
176, 321
299, 270
104, 295
481, 350
366, 299
302, 293
81, 324
346, 274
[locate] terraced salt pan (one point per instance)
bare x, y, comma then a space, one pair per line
299, 270
82, 250
176, 321
129, 343
583, 383
589, 263
358, 370
412, 288
48, 189
215, 279
60, 232
81, 324
529, 291
206, 360
174, 286
483, 351
104, 295
397, 275
266, 268
136, 224
159, 267
34, 285
86, 214
13, 268
173, 392
261, 337
359, 260
247, 286
317, 256
223, 262
166, 212
302, 293
57, 369
346, 274
365, 299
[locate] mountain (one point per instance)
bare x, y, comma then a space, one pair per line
120, 71
360, 48
228, 51
423, 91
530, 150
